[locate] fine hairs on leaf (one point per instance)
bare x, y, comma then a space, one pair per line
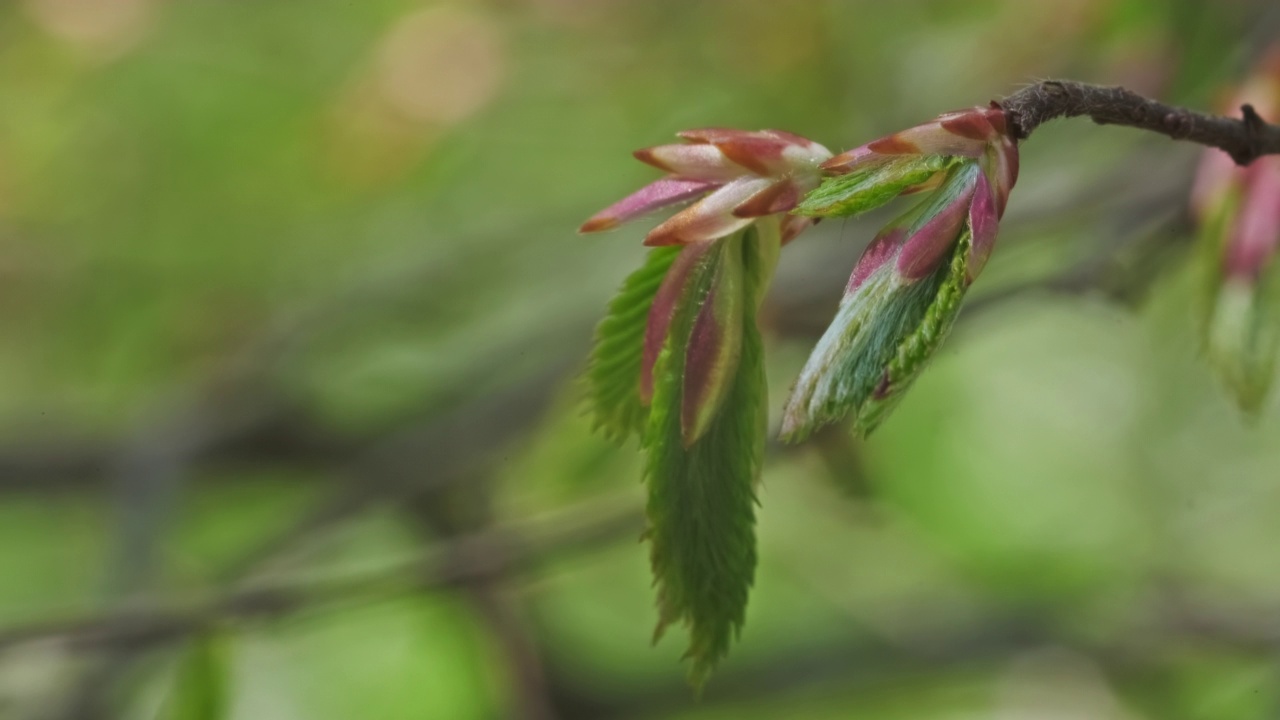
613, 371
871, 358
914, 353
868, 189
904, 312
701, 506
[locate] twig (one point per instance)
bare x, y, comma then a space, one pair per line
1245, 139
1133, 652
455, 511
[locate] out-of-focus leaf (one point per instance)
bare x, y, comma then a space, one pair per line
423, 657
200, 687
1240, 322
1244, 338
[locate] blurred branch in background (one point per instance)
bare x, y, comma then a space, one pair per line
456, 563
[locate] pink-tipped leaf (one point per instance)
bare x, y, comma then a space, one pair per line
715, 344
655, 195
933, 240
711, 217
677, 286
984, 223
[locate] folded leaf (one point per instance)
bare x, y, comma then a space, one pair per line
881, 339
613, 373
901, 300
686, 283
916, 350
872, 186
701, 506
715, 344
655, 195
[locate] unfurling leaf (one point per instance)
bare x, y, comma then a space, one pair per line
680, 357
906, 289
613, 375
686, 282
902, 300
879, 342
701, 507
870, 187
715, 345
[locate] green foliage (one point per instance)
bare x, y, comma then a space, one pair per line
861, 347
714, 346
1243, 339
200, 688
701, 506
871, 187
913, 353
613, 376
1210, 247
884, 333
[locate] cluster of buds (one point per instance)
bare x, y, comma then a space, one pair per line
739, 177
739, 180
905, 291
678, 360
1238, 209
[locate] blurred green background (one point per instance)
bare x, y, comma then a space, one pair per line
292, 307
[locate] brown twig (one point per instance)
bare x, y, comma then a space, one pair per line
1245, 139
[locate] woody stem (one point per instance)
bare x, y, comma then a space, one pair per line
1245, 139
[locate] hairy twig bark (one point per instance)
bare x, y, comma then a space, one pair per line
1244, 139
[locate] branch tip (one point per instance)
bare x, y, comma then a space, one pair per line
1245, 140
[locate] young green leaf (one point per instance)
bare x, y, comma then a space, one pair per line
869, 188
613, 374
701, 507
715, 345
914, 352
880, 340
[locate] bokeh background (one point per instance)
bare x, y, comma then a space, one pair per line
292, 308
